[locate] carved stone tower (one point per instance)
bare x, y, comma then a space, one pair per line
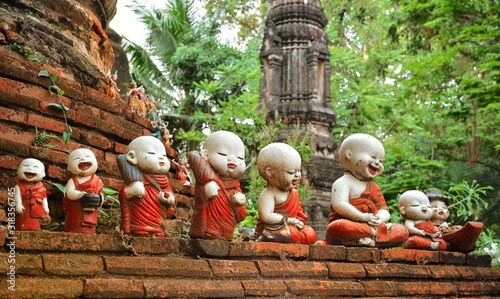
295, 84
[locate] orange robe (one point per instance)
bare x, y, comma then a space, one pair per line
213, 218
421, 242
32, 196
292, 207
342, 231
145, 216
77, 220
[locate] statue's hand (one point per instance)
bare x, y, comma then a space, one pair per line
295, 222
436, 235
376, 221
19, 209
81, 194
211, 190
239, 199
135, 190
166, 198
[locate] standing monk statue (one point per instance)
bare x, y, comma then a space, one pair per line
219, 202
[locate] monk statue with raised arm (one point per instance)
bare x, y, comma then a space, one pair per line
219, 203
359, 213
281, 217
146, 198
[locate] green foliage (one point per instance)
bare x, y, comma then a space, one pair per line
467, 201
42, 138
28, 52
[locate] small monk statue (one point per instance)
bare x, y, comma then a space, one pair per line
146, 197
281, 217
359, 214
459, 238
84, 193
137, 99
415, 208
219, 203
30, 196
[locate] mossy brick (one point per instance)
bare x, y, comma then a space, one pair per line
324, 288
265, 288
233, 268
29, 264
270, 268
380, 288
449, 257
444, 272
327, 252
15, 116
154, 246
409, 255
396, 271
208, 248
480, 260
158, 266
113, 288
346, 270
30, 287
268, 249
362, 254
71, 264
192, 288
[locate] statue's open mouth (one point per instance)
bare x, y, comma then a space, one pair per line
30, 175
84, 166
372, 169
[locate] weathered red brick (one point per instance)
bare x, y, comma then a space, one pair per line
444, 289
49, 124
325, 288
47, 288
480, 260
233, 269
16, 116
97, 140
112, 183
158, 245
70, 264
109, 165
113, 288
268, 249
448, 257
30, 264
346, 270
292, 268
98, 99
192, 288
410, 255
444, 272
15, 140
54, 156
138, 265
489, 273
70, 242
56, 172
362, 254
477, 288
380, 288
264, 287
120, 148
467, 273
9, 162
329, 252
209, 248
397, 270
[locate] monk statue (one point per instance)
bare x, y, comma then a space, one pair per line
281, 217
415, 208
84, 194
219, 203
359, 214
146, 198
30, 196
459, 238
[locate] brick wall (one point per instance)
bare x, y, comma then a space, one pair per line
66, 265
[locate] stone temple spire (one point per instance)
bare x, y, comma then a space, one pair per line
295, 84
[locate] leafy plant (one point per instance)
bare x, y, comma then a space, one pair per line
42, 138
28, 52
467, 201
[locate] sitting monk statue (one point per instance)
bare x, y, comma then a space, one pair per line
30, 196
219, 204
281, 217
146, 198
415, 208
359, 214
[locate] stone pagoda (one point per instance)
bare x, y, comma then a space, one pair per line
295, 85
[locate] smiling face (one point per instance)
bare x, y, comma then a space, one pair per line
280, 165
149, 155
415, 205
362, 155
82, 162
226, 153
439, 211
31, 170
